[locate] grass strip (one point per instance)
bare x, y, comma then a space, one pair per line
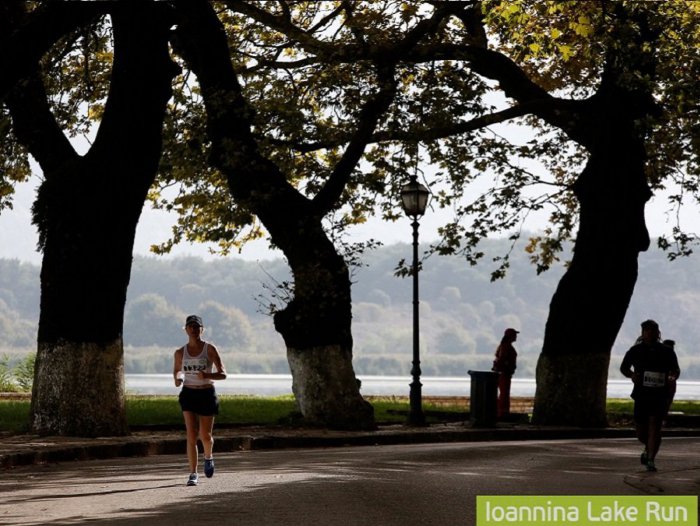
280, 410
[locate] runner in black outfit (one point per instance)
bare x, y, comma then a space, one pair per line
652, 367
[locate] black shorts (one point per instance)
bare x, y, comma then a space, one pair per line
646, 405
203, 402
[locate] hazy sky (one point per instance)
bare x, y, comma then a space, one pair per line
18, 236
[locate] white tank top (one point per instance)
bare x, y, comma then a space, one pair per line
191, 365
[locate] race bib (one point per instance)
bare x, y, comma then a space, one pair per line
192, 366
654, 379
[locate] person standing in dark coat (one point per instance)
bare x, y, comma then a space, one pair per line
505, 364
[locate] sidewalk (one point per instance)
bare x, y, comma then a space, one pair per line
21, 450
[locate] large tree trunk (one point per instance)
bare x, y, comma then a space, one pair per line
589, 305
79, 376
65, 402
316, 327
86, 212
326, 389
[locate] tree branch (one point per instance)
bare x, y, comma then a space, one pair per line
284, 25
30, 35
430, 134
373, 110
140, 85
35, 126
201, 40
369, 116
489, 64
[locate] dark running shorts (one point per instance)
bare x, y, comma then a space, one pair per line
650, 405
203, 402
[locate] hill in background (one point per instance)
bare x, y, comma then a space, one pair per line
463, 314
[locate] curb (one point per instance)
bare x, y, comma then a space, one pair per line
30, 452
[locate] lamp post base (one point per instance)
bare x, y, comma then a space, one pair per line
416, 417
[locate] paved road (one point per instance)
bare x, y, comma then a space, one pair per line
433, 484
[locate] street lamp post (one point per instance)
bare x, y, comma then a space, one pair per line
414, 199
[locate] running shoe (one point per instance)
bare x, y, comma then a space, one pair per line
651, 466
644, 458
209, 467
193, 480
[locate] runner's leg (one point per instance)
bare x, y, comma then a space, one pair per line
192, 431
206, 435
654, 434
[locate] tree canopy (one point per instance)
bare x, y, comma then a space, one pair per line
303, 67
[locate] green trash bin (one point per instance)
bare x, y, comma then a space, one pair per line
482, 400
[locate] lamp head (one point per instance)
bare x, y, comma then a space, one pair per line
414, 197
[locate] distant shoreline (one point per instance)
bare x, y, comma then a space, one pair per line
397, 386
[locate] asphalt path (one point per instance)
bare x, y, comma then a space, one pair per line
432, 484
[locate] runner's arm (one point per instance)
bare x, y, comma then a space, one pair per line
214, 356
177, 367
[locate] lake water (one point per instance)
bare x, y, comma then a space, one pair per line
281, 384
